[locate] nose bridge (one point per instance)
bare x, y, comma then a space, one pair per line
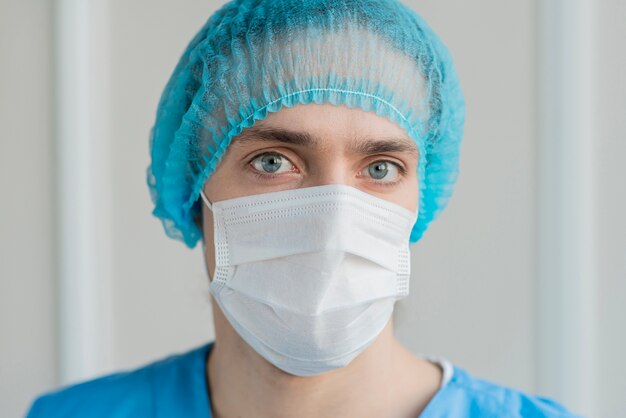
331, 168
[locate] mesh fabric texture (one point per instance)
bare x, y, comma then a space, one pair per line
255, 56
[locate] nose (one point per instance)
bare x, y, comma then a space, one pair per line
330, 170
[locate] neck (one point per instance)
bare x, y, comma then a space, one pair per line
384, 380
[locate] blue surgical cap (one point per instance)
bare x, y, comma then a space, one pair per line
255, 56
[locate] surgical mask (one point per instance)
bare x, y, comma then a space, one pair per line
309, 277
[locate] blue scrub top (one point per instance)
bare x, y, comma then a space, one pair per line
176, 387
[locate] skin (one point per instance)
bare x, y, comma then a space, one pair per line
385, 379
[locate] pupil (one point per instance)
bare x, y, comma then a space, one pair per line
271, 162
378, 170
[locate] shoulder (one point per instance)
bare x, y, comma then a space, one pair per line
119, 394
467, 396
123, 394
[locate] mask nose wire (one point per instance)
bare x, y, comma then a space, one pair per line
206, 200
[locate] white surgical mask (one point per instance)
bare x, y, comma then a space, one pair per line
309, 277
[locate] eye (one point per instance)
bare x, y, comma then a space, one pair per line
384, 171
271, 163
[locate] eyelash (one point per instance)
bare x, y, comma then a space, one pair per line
270, 176
264, 176
400, 178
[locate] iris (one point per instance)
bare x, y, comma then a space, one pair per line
378, 170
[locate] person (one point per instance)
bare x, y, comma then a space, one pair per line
307, 144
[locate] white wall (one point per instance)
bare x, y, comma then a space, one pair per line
28, 328
609, 116
474, 287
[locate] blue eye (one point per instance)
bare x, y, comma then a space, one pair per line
383, 170
271, 163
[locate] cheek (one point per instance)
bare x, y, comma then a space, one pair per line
409, 195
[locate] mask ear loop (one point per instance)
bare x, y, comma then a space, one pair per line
206, 200
210, 206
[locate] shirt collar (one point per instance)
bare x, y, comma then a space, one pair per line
180, 385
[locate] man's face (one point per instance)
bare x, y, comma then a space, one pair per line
312, 145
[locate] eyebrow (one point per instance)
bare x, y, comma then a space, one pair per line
362, 145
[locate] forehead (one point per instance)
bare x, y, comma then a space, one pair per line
326, 125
